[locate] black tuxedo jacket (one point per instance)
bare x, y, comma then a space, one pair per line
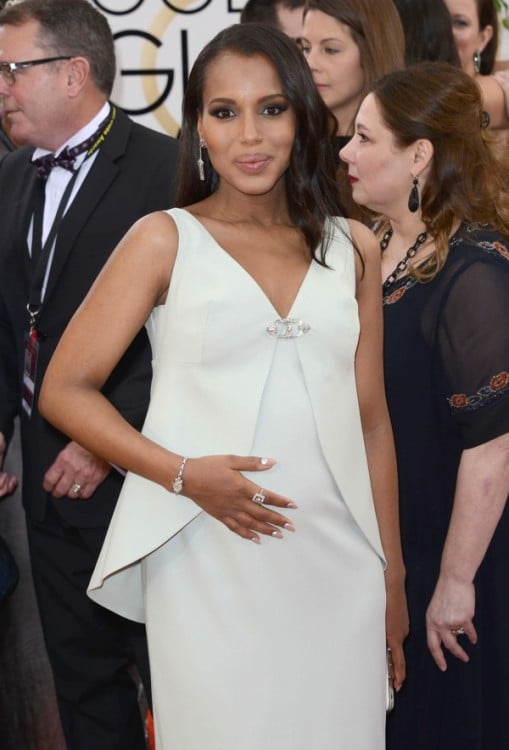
132, 175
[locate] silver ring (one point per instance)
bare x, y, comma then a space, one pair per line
258, 497
459, 630
76, 488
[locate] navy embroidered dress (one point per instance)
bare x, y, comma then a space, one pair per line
447, 375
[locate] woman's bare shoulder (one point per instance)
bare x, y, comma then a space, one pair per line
363, 239
148, 251
156, 226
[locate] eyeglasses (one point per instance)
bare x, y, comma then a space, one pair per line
8, 69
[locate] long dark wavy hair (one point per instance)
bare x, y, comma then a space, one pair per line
311, 188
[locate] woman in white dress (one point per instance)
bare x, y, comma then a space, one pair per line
267, 423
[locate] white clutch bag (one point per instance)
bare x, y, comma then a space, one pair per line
389, 689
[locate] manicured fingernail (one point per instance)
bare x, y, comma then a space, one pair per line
255, 539
291, 505
264, 461
277, 534
289, 527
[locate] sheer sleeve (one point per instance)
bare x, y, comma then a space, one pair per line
473, 349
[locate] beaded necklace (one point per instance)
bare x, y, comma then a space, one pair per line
403, 263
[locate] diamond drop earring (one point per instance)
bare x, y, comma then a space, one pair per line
477, 61
200, 162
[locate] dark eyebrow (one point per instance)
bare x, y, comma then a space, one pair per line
268, 97
360, 126
322, 41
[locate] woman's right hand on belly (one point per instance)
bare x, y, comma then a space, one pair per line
217, 485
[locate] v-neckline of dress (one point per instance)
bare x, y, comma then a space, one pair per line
251, 278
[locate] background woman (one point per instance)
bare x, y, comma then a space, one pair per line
348, 45
475, 30
428, 31
421, 159
255, 298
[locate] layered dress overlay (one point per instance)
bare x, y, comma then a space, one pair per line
447, 380
281, 644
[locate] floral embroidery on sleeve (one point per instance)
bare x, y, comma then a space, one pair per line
495, 248
498, 386
501, 249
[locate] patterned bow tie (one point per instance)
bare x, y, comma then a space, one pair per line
67, 157
46, 163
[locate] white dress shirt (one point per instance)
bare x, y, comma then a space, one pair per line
59, 178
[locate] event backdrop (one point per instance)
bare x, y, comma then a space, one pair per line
157, 42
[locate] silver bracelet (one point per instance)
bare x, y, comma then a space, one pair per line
178, 482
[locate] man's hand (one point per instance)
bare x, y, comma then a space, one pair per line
8, 482
75, 473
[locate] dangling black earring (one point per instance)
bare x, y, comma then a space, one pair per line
413, 198
477, 61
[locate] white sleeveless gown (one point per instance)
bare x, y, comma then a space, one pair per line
277, 646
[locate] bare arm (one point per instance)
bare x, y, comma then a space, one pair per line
379, 440
97, 337
481, 493
502, 78
494, 100
135, 280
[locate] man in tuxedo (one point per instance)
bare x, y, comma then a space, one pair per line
60, 219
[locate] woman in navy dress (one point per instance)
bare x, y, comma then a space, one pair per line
421, 159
